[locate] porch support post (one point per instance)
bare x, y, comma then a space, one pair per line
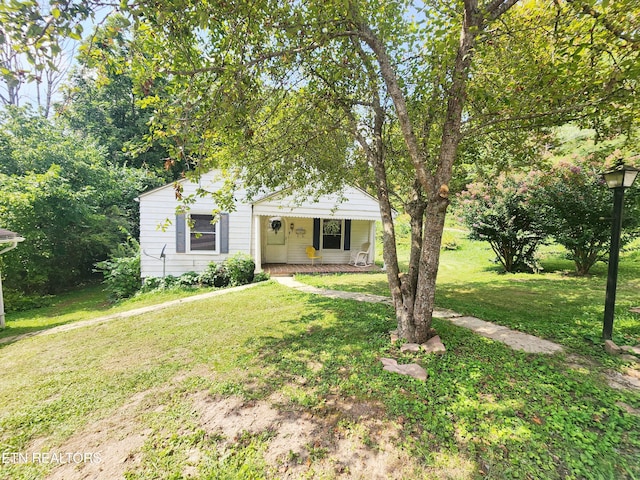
372, 242
257, 243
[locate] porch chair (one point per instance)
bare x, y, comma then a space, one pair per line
360, 258
313, 255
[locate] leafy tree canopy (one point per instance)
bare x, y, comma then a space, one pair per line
70, 204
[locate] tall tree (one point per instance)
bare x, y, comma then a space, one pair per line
27, 74
101, 99
355, 49
431, 73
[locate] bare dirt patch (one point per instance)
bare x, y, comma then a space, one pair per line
343, 438
111, 445
346, 439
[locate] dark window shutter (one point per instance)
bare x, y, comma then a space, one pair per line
181, 233
316, 233
347, 234
224, 233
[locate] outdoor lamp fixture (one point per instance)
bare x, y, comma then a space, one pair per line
618, 179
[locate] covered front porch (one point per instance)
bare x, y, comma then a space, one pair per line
285, 270
337, 227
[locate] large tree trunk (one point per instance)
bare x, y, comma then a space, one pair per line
438, 200
414, 294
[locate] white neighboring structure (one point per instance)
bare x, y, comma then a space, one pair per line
8, 241
276, 228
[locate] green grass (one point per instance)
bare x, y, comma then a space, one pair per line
507, 414
555, 304
83, 304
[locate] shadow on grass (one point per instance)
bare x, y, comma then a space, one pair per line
513, 414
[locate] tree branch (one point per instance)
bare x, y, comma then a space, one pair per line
573, 111
498, 7
610, 26
367, 35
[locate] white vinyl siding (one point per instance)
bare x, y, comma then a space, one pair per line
158, 228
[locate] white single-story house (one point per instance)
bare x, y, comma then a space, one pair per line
273, 229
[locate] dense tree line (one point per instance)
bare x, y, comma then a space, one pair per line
63, 194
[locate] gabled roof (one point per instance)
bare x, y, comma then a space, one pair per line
352, 203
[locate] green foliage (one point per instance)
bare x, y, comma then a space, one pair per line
68, 202
188, 279
576, 206
101, 100
236, 270
450, 241
16, 301
502, 214
122, 271
261, 277
215, 275
240, 269
150, 284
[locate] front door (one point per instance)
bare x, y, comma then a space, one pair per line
276, 241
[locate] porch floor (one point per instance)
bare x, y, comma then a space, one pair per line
284, 270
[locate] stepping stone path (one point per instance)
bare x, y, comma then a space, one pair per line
512, 338
412, 369
516, 340
627, 353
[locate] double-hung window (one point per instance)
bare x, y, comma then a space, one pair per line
331, 234
203, 235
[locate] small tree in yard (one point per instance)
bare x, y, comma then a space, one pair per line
503, 215
576, 205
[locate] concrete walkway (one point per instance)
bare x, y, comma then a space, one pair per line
514, 339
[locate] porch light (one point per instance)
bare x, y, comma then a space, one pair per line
618, 179
620, 176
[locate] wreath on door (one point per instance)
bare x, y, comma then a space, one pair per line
276, 224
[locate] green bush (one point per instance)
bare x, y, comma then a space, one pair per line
121, 276
215, 275
449, 242
121, 270
261, 277
502, 214
189, 279
15, 301
240, 269
151, 283
575, 206
169, 281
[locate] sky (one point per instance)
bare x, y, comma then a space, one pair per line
28, 93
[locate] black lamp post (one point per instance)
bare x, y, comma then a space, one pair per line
618, 179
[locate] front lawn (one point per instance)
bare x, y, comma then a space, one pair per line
84, 304
162, 380
555, 304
